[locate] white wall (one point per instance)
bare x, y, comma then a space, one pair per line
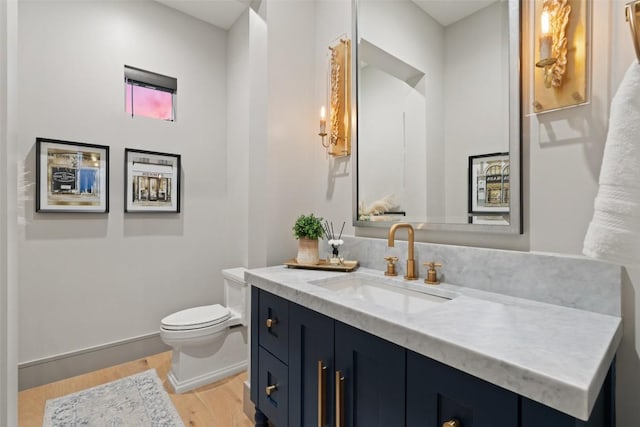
238, 116
246, 118
391, 120
396, 27
293, 147
87, 280
476, 101
257, 245
331, 180
8, 226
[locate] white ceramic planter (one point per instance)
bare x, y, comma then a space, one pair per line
308, 251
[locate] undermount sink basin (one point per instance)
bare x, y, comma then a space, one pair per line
381, 292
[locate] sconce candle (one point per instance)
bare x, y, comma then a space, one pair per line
323, 121
545, 36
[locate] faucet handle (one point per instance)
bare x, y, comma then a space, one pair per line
391, 266
432, 274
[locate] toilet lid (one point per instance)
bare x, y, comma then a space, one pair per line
196, 317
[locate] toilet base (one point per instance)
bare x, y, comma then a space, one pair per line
204, 379
193, 366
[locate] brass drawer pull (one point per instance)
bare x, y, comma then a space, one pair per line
322, 371
271, 322
452, 423
270, 389
339, 399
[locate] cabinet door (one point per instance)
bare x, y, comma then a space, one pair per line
370, 379
273, 324
273, 388
437, 393
310, 368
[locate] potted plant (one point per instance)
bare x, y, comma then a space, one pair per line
308, 229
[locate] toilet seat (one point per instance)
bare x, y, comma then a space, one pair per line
196, 318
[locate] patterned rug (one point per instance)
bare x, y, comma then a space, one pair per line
138, 400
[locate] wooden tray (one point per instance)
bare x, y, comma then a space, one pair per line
346, 266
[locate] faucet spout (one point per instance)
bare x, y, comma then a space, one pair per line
411, 263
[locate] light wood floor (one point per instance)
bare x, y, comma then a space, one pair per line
215, 405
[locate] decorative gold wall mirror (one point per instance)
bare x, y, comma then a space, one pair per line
438, 87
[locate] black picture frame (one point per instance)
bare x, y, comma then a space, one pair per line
488, 184
151, 181
71, 176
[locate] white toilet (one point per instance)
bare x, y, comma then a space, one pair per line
209, 342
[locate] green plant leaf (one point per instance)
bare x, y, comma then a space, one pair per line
308, 227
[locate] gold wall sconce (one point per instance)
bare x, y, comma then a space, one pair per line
338, 143
561, 53
632, 14
553, 44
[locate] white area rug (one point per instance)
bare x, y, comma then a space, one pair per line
138, 400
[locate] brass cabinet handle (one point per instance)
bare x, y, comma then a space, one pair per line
270, 389
339, 399
322, 370
452, 423
270, 322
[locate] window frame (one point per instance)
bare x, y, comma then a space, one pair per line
142, 78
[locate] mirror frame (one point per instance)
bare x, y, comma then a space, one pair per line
515, 135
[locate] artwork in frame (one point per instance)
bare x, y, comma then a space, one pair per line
71, 176
489, 184
152, 181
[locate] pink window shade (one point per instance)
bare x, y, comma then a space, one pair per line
143, 101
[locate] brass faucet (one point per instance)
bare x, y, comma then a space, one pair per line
411, 263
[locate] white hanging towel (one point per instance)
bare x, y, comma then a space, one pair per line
614, 232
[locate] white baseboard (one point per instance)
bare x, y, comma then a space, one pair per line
208, 378
61, 366
248, 407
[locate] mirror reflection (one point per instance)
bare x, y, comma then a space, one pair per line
433, 111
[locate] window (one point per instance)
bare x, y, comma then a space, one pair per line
149, 94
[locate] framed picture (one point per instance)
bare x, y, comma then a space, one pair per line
152, 181
489, 183
71, 176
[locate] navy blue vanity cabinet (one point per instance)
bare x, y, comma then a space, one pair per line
311, 367
311, 370
269, 357
332, 375
437, 393
370, 379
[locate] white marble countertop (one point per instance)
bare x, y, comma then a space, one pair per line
555, 355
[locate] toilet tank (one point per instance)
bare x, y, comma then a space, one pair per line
235, 292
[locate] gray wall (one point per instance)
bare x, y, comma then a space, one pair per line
88, 280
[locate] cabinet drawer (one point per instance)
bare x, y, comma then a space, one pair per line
437, 393
273, 388
273, 325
